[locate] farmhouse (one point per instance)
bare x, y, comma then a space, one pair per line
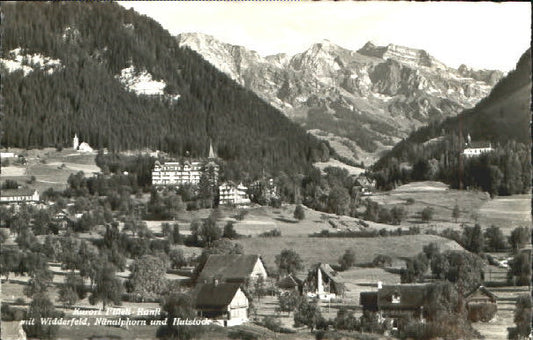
231, 194
397, 302
233, 268
19, 195
185, 172
224, 303
324, 283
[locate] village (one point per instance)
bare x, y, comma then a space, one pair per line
255, 270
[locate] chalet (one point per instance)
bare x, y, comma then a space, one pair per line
19, 195
324, 283
234, 268
225, 303
231, 194
481, 298
400, 303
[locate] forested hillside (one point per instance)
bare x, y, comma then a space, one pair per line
502, 118
86, 91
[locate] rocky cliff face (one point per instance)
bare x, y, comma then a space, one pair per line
366, 99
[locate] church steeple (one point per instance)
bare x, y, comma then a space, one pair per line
75, 142
212, 154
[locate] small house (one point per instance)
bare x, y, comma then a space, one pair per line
236, 268
224, 303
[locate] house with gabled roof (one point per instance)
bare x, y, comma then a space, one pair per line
236, 268
400, 302
225, 303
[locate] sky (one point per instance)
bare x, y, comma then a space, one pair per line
483, 35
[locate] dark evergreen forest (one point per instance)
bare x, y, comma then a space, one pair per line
94, 42
502, 118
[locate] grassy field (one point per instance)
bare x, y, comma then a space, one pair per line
504, 212
50, 168
352, 170
507, 212
328, 250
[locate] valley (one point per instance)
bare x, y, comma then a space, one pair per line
374, 192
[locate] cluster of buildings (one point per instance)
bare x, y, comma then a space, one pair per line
220, 292
190, 172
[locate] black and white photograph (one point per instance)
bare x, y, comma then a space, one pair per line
259, 170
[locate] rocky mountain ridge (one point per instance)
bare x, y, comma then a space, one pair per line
374, 96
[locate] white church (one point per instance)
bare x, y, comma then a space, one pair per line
83, 147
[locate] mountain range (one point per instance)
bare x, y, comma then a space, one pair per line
363, 102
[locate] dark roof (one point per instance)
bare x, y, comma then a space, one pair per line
483, 291
290, 281
17, 192
478, 144
330, 273
211, 295
232, 267
411, 296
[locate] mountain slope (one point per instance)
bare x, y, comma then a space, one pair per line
119, 80
501, 118
366, 100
